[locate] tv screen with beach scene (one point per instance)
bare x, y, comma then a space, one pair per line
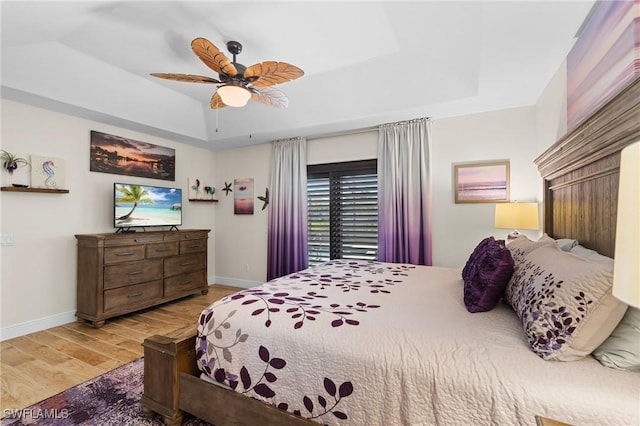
144, 205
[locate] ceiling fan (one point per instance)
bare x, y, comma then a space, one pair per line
237, 83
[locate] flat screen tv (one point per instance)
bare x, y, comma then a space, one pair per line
143, 206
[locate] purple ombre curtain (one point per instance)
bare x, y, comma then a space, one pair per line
287, 229
404, 192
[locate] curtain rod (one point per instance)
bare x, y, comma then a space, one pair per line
362, 130
344, 133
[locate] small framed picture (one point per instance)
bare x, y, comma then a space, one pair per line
47, 172
481, 182
243, 196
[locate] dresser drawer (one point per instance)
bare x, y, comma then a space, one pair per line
184, 264
193, 246
183, 283
132, 273
123, 254
118, 273
162, 249
125, 298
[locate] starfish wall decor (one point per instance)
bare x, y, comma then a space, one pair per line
264, 199
227, 188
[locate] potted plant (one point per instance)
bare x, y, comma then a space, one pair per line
10, 162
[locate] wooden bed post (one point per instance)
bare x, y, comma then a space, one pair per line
165, 357
170, 361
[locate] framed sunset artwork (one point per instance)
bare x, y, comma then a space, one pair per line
243, 196
481, 182
124, 156
604, 59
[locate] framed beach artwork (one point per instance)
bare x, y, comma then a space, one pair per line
243, 196
47, 172
123, 156
482, 182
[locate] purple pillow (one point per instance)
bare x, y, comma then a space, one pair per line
486, 275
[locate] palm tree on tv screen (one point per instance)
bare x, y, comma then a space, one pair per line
133, 194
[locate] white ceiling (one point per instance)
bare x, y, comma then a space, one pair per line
365, 63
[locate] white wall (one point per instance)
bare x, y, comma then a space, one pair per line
241, 240
551, 110
457, 228
350, 147
499, 135
38, 273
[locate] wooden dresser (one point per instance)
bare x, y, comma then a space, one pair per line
122, 273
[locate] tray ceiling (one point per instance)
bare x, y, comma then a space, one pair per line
365, 63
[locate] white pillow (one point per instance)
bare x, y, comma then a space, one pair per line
565, 244
621, 350
524, 244
589, 254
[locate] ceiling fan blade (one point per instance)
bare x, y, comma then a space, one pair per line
213, 57
216, 101
190, 78
270, 96
271, 72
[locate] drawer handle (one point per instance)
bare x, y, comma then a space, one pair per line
187, 263
132, 295
129, 253
185, 282
193, 246
135, 272
163, 249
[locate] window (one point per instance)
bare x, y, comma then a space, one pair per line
343, 211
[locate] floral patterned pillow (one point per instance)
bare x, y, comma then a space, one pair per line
564, 302
525, 245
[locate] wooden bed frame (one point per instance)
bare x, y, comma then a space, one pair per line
580, 174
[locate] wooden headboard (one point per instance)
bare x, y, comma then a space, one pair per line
581, 172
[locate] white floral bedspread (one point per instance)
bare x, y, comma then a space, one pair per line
368, 343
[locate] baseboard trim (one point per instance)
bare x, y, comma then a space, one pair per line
33, 326
36, 325
235, 282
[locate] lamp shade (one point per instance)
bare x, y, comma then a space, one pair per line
626, 270
234, 96
516, 216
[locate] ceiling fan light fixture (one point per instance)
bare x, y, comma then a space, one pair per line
238, 84
234, 96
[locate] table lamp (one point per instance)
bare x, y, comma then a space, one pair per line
516, 216
626, 269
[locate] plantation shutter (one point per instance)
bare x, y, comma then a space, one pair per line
343, 211
319, 220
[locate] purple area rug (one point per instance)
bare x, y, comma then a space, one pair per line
110, 399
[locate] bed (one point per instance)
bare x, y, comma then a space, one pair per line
378, 343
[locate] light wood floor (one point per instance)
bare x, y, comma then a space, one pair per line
42, 364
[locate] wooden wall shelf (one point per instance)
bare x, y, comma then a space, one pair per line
41, 190
202, 201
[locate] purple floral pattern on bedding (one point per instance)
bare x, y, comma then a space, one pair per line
299, 308
263, 386
548, 322
292, 301
350, 276
211, 364
325, 405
